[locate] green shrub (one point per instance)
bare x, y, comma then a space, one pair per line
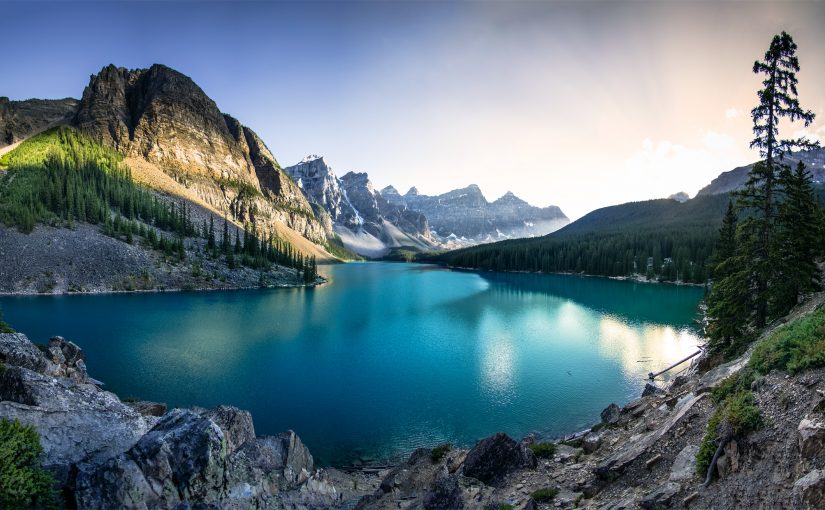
440, 451
794, 348
505, 506
544, 495
543, 450
23, 482
740, 412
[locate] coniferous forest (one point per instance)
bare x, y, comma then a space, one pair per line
61, 177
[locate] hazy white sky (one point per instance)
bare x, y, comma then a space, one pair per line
579, 104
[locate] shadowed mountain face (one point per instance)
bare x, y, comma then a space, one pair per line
736, 178
162, 116
351, 207
464, 217
22, 119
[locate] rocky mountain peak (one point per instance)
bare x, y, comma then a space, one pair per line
509, 198
413, 192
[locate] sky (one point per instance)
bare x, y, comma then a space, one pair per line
577, 104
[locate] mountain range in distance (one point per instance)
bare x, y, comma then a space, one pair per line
371, 222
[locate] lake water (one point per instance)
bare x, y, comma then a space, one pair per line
386, 357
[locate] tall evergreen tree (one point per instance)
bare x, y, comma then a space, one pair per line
777, 100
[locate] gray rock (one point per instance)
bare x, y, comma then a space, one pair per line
662, 497
592, 441
684, 465
651, 389
610, 414
17, 350
811, 438
77, 422
444, 494
809, 491
493, 458
713, 377
235, 424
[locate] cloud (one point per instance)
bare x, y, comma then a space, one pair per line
732, 113
816, 136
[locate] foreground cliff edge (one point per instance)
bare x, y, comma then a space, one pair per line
105, 453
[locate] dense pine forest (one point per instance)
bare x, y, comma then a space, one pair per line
661, 239
61, 177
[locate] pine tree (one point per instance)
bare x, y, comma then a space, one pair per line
777, 100
210, 242
800, 238
728, 301
225, 238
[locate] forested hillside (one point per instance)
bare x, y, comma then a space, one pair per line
661, 239
62, 177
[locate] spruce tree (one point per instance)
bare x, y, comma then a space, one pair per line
800, 239
777, 100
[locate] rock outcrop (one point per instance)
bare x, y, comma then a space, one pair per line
163, 117
464, 217
107, 454
22, 119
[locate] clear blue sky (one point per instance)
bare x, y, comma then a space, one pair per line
581, 104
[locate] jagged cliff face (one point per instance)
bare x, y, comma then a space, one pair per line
465, 217
354, 210
22, 119
163, 117
735, 179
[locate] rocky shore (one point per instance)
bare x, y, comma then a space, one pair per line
106, 453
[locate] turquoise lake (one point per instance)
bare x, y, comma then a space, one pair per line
385, 357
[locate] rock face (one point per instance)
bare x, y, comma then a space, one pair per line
162, 116
22, 119
495, 457
464, 217
734, 179
77, 421
351, 208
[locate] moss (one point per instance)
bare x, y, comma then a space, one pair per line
543, 450
23, 482
797, 347
440, 451
544, 495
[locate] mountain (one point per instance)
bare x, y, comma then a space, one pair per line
350, 207
161, 117
22, 119
734, 179
464, 217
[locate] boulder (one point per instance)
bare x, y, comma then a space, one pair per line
610, 414
235, 424
444, 494
729, 462
77, 422
651, 389
809, 491
684, 465
68, 359
493, 458
662, 497
17, 350
811, 438
713, 377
